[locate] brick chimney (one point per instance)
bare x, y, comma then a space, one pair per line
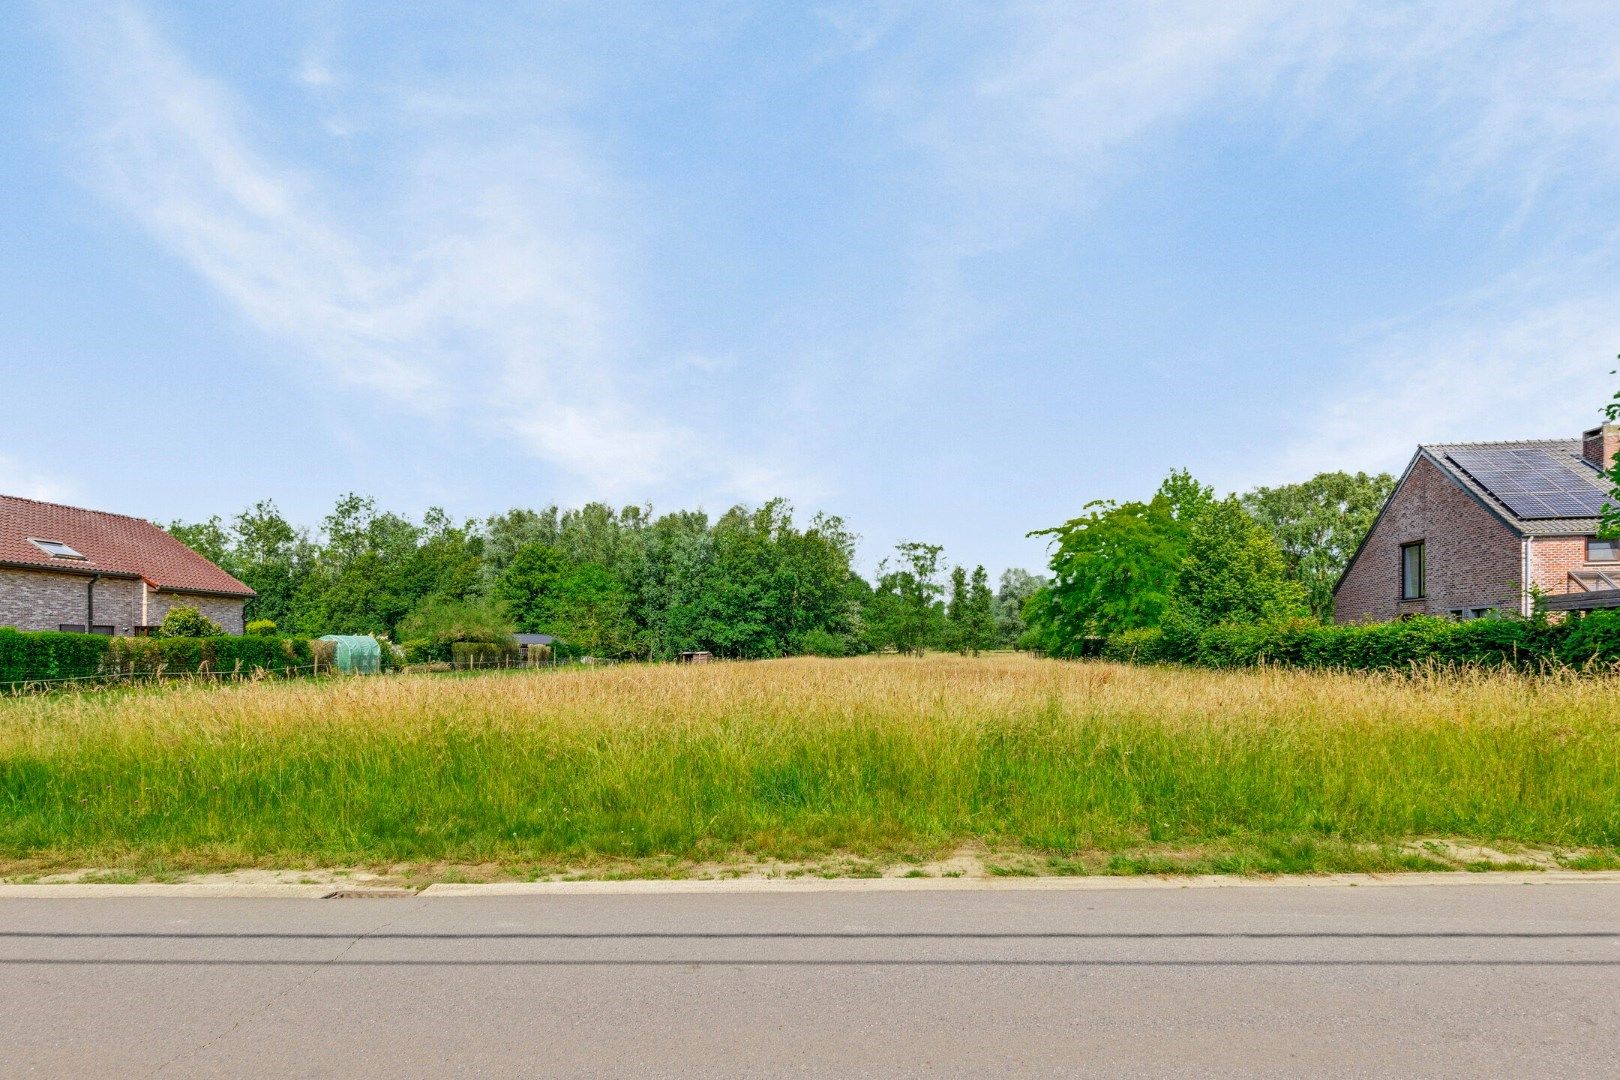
1599, 445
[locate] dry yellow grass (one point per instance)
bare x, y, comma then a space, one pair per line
1052, 764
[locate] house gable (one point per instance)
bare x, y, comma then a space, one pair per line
67, 566
1473, 553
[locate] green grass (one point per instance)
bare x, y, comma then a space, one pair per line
1067, 767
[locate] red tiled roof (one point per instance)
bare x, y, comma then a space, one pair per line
110, 544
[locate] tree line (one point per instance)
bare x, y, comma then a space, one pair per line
617, 582
1184, 560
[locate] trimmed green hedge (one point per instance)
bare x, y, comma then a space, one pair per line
148, 656
37, 656
47, 654
1587, 641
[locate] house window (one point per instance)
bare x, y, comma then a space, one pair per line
1602, 550
71, 628
1413, 571
55, 549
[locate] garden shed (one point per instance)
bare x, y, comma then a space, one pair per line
357, 654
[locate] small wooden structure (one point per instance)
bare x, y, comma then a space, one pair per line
696, 656
535, 648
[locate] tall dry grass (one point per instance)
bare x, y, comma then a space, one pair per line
799, 758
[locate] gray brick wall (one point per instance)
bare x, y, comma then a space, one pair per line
224, 610
41, 600
1474, 560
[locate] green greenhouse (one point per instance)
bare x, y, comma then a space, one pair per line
357, 654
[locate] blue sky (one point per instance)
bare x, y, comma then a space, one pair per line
950, 270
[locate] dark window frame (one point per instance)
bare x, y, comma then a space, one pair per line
1422, 591
1613, 545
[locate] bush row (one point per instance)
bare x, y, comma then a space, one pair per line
280, 655
47, 655
1592, 640
478, 654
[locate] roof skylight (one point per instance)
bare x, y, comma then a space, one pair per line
55, 549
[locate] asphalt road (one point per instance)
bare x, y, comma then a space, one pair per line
1504, 980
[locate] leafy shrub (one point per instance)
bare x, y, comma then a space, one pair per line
261, 627
1593, 638
476, 654
1143, 645
426, 651
823, 643
438, 619
29, 656
188, 622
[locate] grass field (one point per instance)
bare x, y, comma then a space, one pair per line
839, 766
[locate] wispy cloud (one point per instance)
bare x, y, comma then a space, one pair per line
1055, 96
481, 294
1498, 365
16, 478
1507, 101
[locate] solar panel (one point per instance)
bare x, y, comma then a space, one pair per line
1535, 483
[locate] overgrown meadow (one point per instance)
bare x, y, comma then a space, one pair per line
1036, 764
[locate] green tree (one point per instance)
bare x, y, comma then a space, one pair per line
1609, 518
979, 615
273, 558
1319, 523
210, 539
955, 631
1233, 572
1015, 589
1115, 567
907, 600
528, 585
591, 612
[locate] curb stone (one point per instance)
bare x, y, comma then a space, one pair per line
263, 891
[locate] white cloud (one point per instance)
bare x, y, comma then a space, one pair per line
314, 73
1494, 367
1503, 100
482, 296
1056, 97
19, 479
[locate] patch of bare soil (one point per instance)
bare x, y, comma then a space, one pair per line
1467, 855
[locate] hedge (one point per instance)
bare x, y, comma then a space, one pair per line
1585, 641
470, 654
148, 656
47, 654
37, 656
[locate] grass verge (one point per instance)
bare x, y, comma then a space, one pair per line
878, 765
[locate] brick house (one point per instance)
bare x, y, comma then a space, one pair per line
63, 568
1477, 528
